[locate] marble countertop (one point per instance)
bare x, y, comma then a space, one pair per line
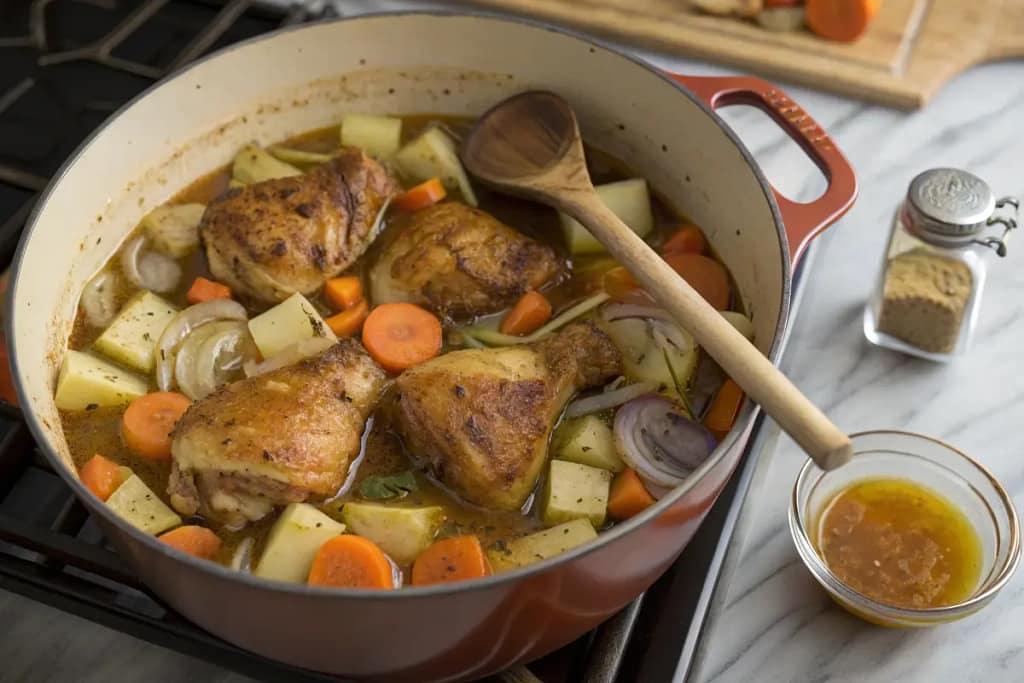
769, 621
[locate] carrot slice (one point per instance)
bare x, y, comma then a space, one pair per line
343, 292
841, 20
531, 311
724, 409
350, 561
618, 283
451, 559
689, 240
400, 335
194, 540
420, 197
101, 476
348, 322
207, 290
628, 496
705, 275
147, 423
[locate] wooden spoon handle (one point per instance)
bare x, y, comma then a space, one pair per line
762, 381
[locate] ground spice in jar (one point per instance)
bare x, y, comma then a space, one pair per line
924, 299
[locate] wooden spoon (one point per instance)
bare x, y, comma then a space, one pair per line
529, 145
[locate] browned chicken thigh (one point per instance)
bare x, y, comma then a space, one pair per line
481, 418
459, 261
276, 438
272, 239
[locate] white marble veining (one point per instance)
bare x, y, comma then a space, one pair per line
770, 621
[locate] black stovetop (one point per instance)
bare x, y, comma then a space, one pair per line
65, 66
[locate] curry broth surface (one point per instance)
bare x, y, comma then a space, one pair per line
98, 431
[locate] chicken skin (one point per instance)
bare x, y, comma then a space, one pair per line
272, 239
481, 418
276, 438
461, 262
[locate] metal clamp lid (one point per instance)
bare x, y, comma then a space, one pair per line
950, 207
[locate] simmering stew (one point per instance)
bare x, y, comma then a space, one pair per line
342, 362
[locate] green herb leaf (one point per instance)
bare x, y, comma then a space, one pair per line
384, 486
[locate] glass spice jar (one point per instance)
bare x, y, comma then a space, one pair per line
927, 298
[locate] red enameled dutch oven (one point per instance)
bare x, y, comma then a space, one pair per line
303, 78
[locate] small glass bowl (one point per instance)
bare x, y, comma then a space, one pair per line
943, 469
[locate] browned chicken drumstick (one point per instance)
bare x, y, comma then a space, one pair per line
277, 438
460, 262
481, 418
272, 239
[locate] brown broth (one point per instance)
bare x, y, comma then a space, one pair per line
98, 431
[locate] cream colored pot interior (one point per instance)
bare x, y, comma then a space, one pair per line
308, 78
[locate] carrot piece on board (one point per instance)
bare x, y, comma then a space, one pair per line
705, 275
841, 20
531, 311
350, 561
194, 540
688, 240
348, 322
207, 290
401, 335
451, 559
343, 292
101, 476
628, 496
420, 197
724, 408
147, 423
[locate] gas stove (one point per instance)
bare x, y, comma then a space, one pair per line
65, 66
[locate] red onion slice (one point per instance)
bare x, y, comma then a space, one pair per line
663, 445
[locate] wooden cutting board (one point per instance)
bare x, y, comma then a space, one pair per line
911, 50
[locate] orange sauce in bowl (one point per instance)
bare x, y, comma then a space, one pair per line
900, 543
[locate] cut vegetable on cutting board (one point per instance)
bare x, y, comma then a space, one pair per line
908, 51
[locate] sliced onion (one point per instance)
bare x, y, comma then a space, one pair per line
99, 299
353, 468
396, 574
196, 368
609, 399
185, 375
615, 311
242, 558
378, 222
290, 355
662, 444
222, 355
181, 325
577, 310
149, 269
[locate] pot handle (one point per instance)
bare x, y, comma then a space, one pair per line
801, 221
